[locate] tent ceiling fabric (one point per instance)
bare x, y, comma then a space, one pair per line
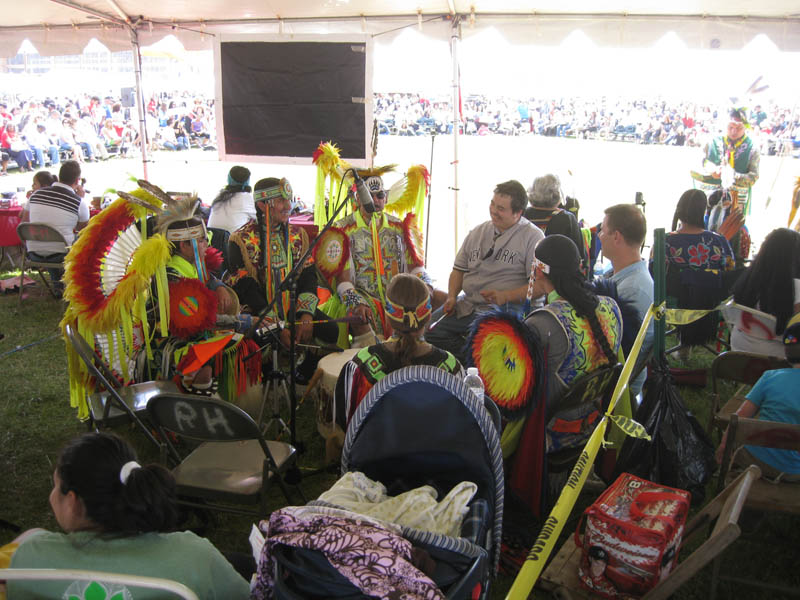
57, 27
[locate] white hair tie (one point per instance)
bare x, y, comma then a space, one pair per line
126, 469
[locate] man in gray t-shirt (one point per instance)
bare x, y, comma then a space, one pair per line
492, 267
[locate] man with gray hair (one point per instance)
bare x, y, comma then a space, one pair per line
547, 214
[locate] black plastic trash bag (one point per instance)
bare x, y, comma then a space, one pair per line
681, 454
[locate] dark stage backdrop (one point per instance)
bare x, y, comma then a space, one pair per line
283, 98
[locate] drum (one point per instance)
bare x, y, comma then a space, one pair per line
328, 369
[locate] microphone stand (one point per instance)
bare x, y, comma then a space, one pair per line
290, 283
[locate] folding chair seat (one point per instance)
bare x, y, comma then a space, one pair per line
743, 368
115, 403
561, 575
39, 232
765, 496
232, 464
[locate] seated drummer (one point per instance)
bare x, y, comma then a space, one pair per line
187, 232
408, 308
261, 254
198, 300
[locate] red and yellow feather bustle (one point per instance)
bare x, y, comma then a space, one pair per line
509, 361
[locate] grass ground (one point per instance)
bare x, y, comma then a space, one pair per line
36, 420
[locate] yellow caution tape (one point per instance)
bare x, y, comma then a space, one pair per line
630, 427
537, 557
684, 316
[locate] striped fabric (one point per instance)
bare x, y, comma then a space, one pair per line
56, 197
455, 386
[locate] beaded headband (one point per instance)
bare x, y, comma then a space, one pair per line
408, 317
195, 232
282, 190
543, 266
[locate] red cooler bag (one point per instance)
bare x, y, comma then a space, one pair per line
632, 537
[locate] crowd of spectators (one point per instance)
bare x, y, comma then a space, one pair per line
774, 128
39, 132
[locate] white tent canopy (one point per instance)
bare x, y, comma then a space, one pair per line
66, 26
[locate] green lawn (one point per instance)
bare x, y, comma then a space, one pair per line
36, 419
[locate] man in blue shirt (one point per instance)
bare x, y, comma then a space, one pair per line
622, 235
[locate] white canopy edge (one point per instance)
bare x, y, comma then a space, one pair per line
605, 30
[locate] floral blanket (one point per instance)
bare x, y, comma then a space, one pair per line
372, 556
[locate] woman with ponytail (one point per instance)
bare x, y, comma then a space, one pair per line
408, 310
233, 206
118, 516
579, 331
696, 259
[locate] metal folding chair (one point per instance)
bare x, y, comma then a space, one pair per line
115, 403
233, 464
38, 232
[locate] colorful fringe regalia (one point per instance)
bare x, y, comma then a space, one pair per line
108, 272
510, 361
193, 311
330, 168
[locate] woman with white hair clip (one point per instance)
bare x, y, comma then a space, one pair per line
579, 331
118, 517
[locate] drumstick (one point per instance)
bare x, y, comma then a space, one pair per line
437, 321
312, 383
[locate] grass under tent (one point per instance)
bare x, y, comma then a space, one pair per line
36, 420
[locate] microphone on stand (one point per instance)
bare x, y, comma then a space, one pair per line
363, 195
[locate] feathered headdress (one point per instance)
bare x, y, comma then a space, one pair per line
409, 194
330, 168
108, 272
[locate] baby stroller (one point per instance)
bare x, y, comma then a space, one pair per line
418, 426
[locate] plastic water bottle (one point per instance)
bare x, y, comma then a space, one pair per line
474, 382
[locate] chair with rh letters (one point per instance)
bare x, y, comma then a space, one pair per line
561, 576
115, 403
38, 232
233, 464
743, 368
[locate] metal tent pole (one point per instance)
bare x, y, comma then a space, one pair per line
659, 289
137, 69
454, 38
